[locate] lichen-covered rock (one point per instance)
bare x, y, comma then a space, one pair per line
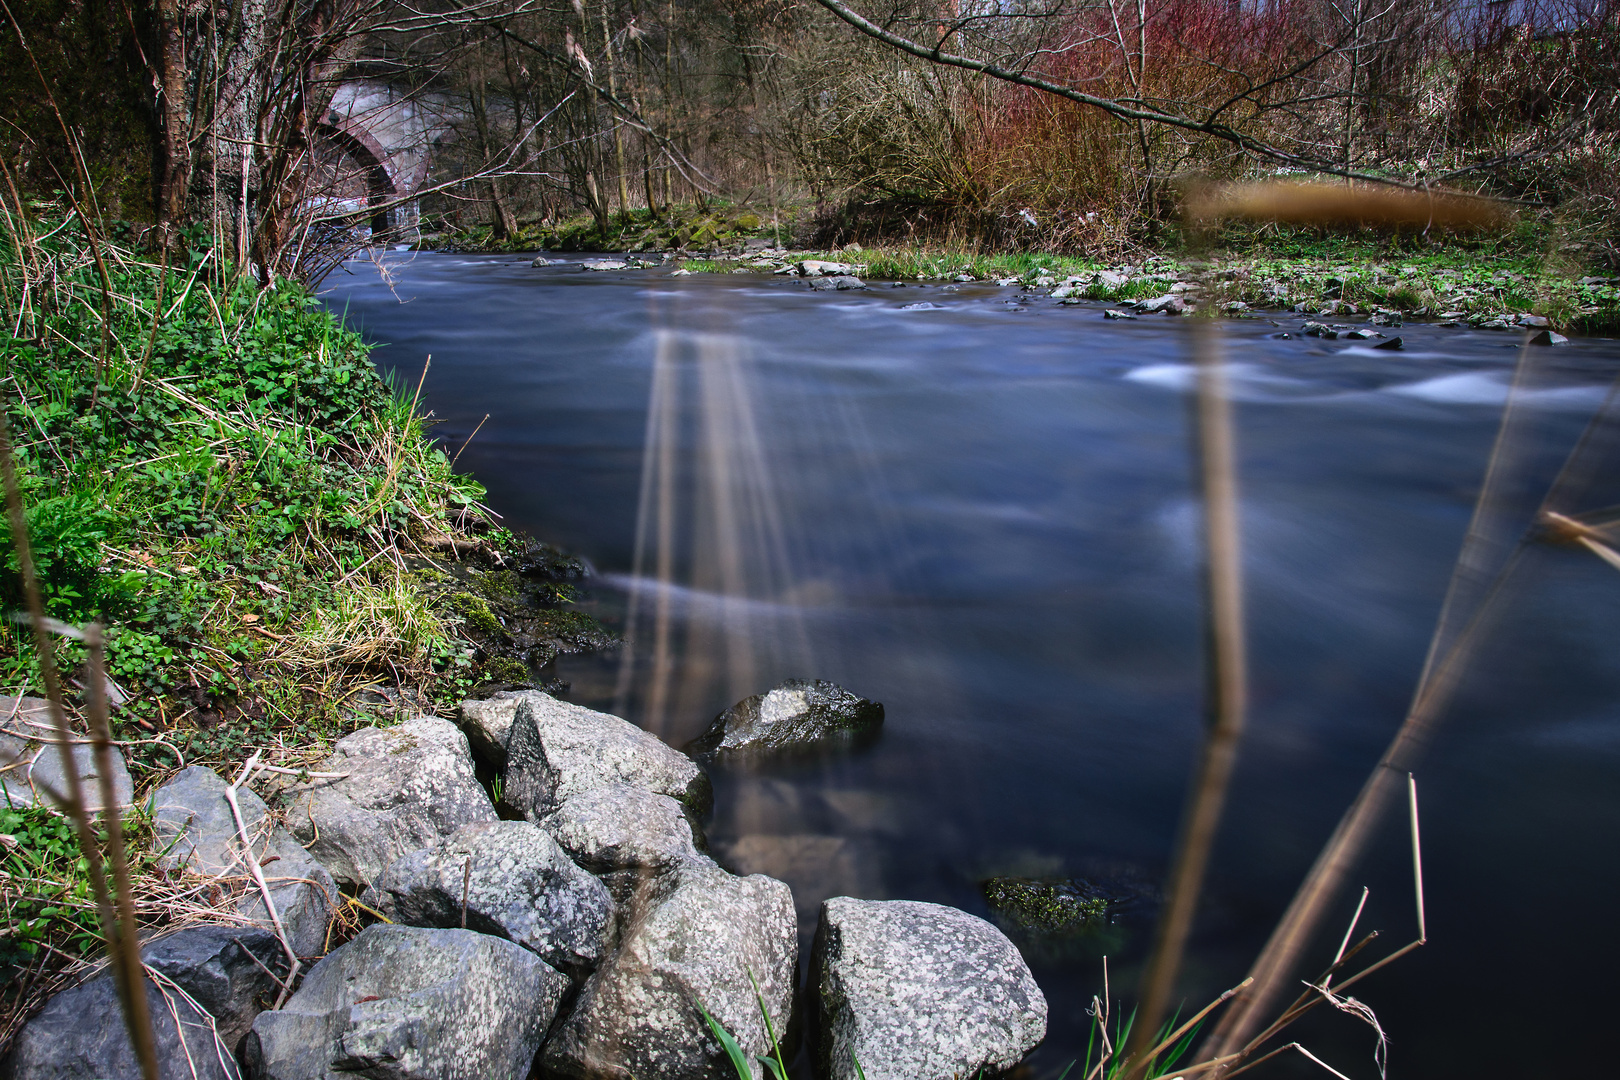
793, 715
488, 724
638, 1016
516, 883
405, 1003
80, 1034
194, 827
557, 751
406, 787
920, 991
619, 827
31, 767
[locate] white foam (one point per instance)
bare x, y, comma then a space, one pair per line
1489, 388
1170, 376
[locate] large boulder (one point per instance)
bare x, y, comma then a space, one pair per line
557, 751
226, 970
797, 714
515, 883
30, 767
918, 991
638, 1016
404, 788
405, 1003
195, 830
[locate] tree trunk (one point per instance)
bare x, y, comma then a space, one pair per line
176, 114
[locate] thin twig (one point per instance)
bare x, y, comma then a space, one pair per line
258, 878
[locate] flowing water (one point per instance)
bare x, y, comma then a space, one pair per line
980, 513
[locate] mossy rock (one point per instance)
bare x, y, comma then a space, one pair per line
505, 669
476, 614
1048, 906
558, 632
496, 585
745, 222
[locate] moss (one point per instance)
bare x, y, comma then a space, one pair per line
745, 222
504, 669
475, 612
1051, 906
496, 585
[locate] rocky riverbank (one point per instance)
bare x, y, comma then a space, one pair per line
383, 913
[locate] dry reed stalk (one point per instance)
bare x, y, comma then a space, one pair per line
1227, 694
1441, 673
1231, 1038
1347, 206
120, 938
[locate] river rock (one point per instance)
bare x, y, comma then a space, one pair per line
604, 264
1549, 337
1115, 313
406, 787
488, 724
1169, 304
407, 1003
194, 828
821, 268
557, 751
517, 884
619, 827
638, 1016
920, 991
840, 283
540, 260
794, 714
31, 766
222, 969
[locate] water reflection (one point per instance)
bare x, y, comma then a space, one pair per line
709, 524
983, 519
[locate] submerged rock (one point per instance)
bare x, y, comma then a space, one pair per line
411, 1004
224, 969
557, 751
406, 788
194, 827
795, 714
1047, 906
695, 948
512, 881
918, 991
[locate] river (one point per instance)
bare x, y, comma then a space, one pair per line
980, 512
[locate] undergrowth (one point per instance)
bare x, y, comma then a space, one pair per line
227, 486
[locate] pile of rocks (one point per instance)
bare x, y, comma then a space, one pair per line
578, 926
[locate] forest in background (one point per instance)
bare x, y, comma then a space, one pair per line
1062, 125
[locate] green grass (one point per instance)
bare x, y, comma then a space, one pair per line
218, 484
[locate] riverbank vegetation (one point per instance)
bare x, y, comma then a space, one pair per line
278, 550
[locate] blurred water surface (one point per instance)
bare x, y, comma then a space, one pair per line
981, 515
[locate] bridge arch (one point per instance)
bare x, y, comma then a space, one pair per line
356, 169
